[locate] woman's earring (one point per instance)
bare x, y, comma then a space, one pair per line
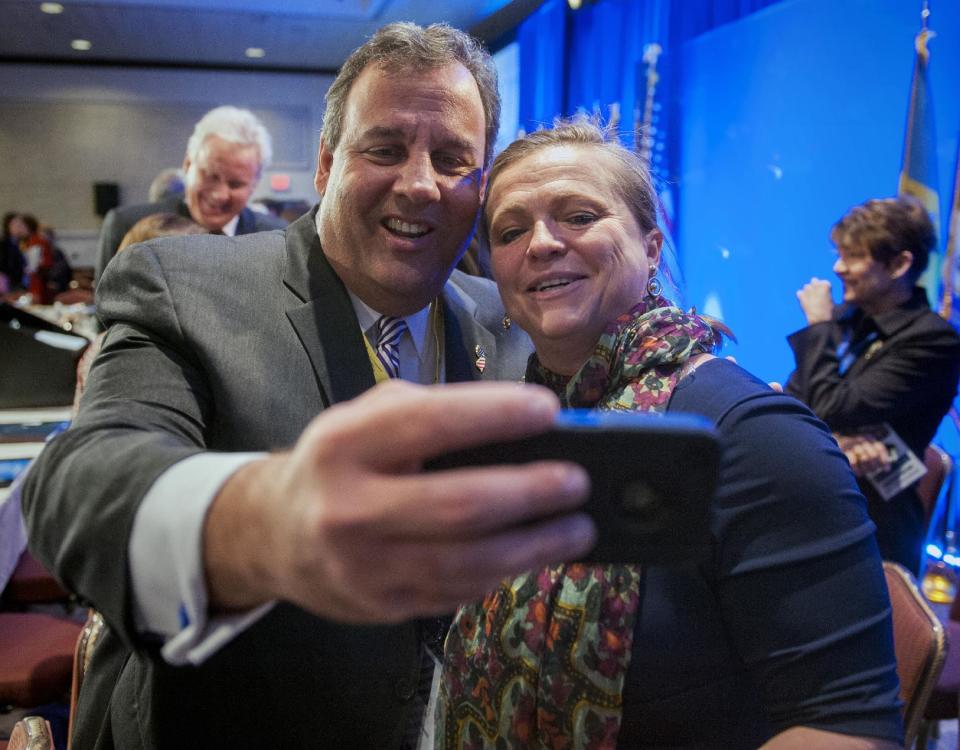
507, 322
654, 287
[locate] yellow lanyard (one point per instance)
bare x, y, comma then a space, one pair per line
379, 374
436, 325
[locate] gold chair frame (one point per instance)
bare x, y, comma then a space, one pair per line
920, 644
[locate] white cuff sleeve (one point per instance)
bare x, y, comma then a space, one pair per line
166, 560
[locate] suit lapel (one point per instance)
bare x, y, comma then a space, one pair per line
246, 224
324, 319
463, 340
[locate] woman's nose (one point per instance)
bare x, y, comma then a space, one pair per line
543, 242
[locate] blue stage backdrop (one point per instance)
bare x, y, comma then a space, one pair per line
789, 117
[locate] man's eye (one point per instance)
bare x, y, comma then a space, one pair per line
582, 218
447, 162
384, 152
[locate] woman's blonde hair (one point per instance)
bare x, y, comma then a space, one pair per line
631, 179
159, 225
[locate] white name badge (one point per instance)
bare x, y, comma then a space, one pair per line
905, 468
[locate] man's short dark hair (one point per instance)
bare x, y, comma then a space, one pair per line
401, 47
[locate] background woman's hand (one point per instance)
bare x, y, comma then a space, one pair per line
816, 300
865, 453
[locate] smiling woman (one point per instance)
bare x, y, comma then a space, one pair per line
778, 631
569, 252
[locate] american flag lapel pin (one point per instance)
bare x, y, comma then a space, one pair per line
481, 357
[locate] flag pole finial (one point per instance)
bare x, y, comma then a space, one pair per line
925, 35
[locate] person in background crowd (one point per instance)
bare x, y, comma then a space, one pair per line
882, 358
11, 259
39, 258
288, 210
61, 273
271, 600
226, 154
778, 633
167, 184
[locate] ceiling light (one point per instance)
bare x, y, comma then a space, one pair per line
255, 52
51, 8
81, 45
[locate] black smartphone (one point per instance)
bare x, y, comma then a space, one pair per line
652, 478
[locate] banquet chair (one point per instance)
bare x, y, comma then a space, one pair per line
31, 583
939, 466
36, 658
920, 646
87, 640
944, 703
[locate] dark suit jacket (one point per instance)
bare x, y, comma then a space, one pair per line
118, 222
228, 344
906, 376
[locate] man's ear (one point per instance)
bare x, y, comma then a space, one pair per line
324, 165
901, 264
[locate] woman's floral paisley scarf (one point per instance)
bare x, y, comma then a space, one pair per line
541, 662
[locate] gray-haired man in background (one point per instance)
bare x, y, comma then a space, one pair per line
226, 154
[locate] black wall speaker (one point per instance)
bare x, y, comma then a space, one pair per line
106, 195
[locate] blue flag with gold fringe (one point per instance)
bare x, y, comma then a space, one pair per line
918, 173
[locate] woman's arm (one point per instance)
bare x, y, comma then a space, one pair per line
798, 577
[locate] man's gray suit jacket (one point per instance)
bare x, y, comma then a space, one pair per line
119, 221
228, 344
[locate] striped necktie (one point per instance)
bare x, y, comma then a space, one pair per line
389, 332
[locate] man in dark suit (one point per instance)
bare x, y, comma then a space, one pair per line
881, 357
270, 600
226, 154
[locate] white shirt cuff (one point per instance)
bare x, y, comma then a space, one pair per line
166, 560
